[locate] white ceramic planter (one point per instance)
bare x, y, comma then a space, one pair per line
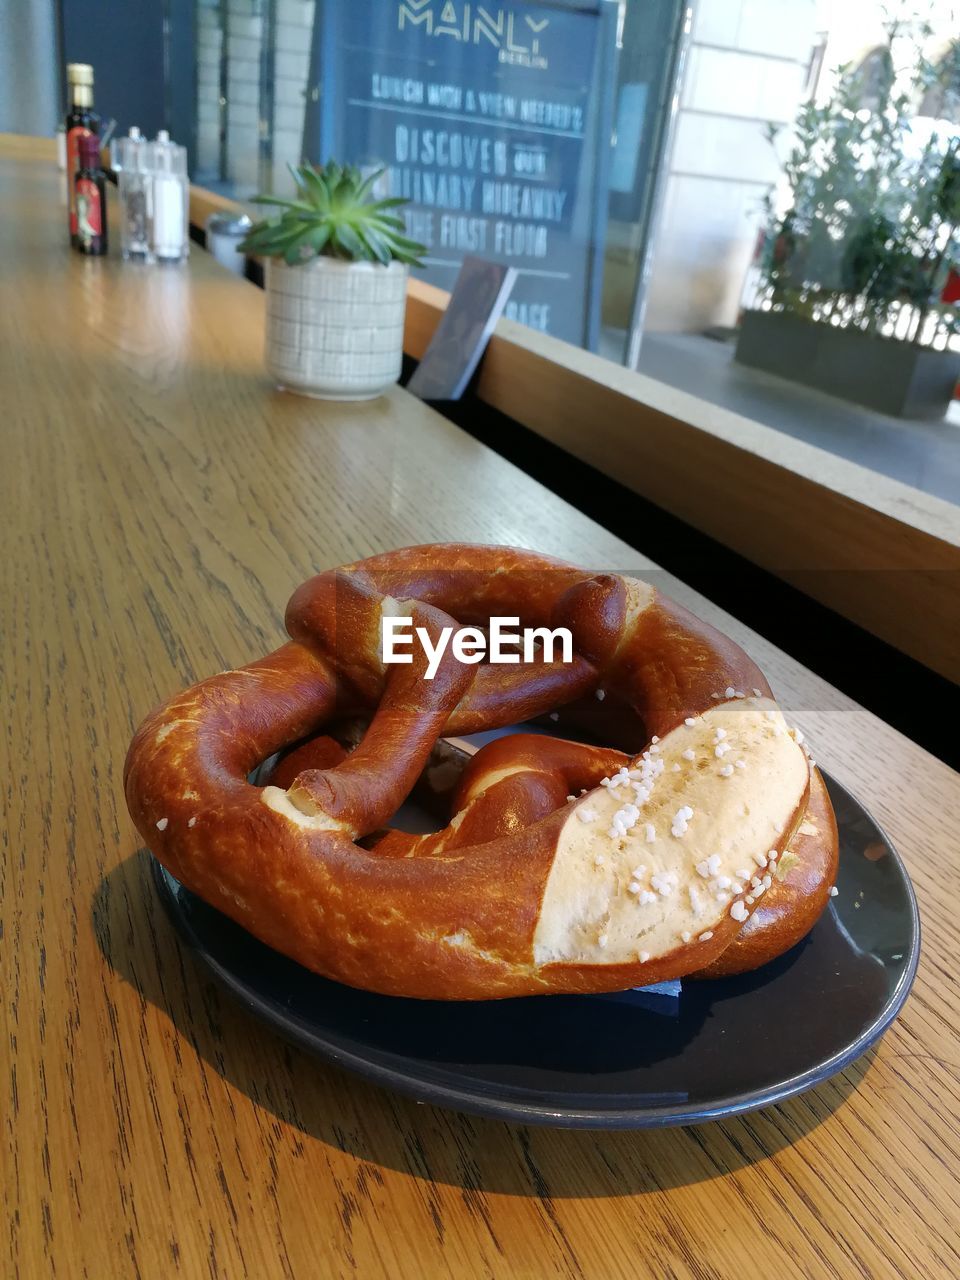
335, 329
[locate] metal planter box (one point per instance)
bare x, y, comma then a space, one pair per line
898, 378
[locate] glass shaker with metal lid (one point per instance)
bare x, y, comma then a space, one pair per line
135, 186
171, 199
225, 232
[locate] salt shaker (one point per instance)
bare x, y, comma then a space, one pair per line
171, 241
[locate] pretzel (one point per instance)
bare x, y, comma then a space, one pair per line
565, 867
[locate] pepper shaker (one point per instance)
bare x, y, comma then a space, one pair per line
135, 188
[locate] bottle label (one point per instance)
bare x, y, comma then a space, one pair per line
89, 213
73, 161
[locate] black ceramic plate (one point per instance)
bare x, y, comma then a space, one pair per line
629, 1060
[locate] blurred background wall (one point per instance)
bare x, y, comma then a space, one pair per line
124, 42
748, 62
29, 66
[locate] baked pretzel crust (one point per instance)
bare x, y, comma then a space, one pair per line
485, 908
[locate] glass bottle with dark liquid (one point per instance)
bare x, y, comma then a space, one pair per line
90, 198
82, 121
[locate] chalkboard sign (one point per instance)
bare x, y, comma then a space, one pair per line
495, 121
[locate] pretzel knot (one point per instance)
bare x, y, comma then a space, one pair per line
564, 866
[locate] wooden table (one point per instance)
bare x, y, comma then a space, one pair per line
159, 501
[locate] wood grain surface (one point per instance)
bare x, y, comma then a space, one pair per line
159, 502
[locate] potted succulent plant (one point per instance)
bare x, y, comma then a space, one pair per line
337, 261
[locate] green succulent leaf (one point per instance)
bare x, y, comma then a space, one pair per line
387, 220
366, 186
271, 238
280, 200
317, 189
350, 241
318, 237
333, 215
377, 243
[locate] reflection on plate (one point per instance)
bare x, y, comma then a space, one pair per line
628, 1060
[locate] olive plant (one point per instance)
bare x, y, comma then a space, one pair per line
868, 233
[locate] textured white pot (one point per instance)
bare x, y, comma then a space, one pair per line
335, 329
